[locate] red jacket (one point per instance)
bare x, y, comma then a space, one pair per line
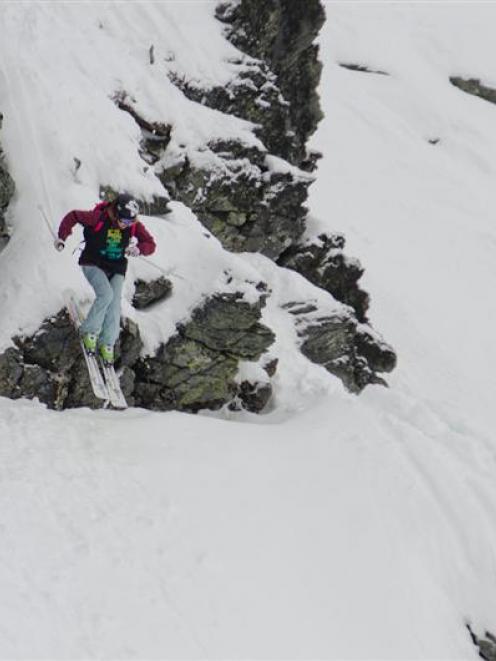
96, 224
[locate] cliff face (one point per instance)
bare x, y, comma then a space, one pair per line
281, 33
7, 189
252, 198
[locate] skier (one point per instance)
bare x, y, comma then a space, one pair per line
108, 232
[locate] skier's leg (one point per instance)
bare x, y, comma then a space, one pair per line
112, 322
104, 294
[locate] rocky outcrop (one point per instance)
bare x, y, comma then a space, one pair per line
251, 196
351, 351
348, 347
253, 95
281, 34
246, 202
195, 369
486, 645
252, 396
150, 292
7, 189
47, 366
323, 262
362, 68
475, 87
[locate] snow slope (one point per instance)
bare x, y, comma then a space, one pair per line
419, 215
335, 526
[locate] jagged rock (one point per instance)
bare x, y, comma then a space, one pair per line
186, 375
351, 351
127, 379
362, 68
150, 292
49, 366
487, 645
380, 355
271, 366
247, 206
475, 87
79, 392
7, 190
251, 396
230, 325
281, 34
6, 193
197, 367
53, 367
249, 96
40, 383
11, 370
129, 345
323, 262
54, 347
331, 342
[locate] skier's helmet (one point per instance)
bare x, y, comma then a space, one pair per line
127, 207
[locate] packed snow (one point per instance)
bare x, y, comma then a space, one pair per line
333, 526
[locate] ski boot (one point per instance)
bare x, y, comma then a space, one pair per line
89, 343
107, 354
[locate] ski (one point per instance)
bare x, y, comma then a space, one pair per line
100, 389
116, 395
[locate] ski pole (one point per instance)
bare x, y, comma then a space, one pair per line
159, 268
44, 216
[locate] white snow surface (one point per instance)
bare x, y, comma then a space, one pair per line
334, 526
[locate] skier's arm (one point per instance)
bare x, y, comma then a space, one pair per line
87, 218
146, 244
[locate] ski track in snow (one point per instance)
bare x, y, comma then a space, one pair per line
332, 526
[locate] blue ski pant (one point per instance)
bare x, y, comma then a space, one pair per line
104, 316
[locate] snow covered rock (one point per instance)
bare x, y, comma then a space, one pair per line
346, 345
7, 189
352, 352
253, 396
380, 356
362, 68
237, 195
252, 94
11, 371
486, 645
322, 261
282, 35
48, 366
148, 293
475, 87
197, 367
246, 200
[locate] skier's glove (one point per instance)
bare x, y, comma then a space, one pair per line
133, 251
59, 244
